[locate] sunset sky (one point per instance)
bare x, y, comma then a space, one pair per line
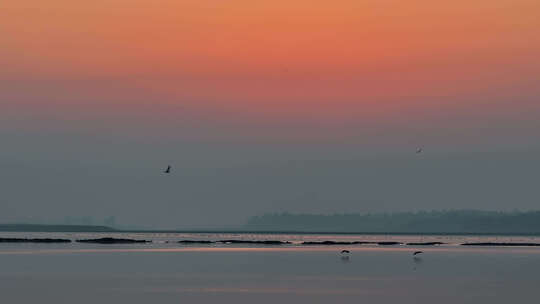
94, 93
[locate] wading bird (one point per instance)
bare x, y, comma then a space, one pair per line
345, 255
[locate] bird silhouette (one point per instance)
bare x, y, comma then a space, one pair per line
417, 252
168, 170
345, 255
419, 150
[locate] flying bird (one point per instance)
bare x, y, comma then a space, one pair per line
417, 252
168, 170
419, 150
345, 251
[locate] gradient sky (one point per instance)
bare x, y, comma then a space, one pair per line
263, 106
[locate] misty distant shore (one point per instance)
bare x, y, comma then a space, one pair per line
434, 222
54, 228
460, 222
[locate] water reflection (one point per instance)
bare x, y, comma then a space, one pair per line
345, 258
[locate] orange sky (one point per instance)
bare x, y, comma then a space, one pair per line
323, 60
266, 106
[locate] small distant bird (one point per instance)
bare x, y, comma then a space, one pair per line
419, 150
417, 252
345, 256
168, 170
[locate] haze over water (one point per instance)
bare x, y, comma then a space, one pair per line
161, 272
266, 107
305, 106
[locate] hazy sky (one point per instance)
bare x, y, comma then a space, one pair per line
264, 106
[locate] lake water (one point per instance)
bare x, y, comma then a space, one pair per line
167, 272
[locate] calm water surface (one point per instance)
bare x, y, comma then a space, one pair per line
163, 272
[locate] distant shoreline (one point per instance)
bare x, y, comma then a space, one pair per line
105, 229
54, 228
327, 232
452, 222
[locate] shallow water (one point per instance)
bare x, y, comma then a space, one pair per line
163, 272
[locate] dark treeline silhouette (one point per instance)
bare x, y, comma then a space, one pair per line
453, 221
